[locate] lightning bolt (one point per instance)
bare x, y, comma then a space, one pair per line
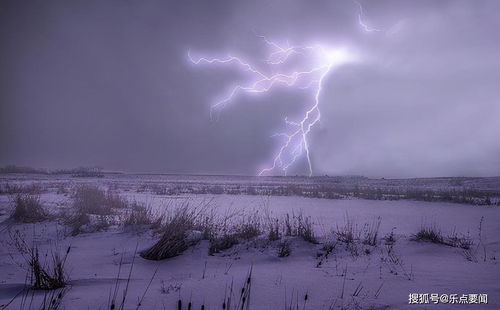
315, 63
361, 22
318, 62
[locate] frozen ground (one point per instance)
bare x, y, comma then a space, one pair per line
368, 278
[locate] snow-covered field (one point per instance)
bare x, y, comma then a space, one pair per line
333, 274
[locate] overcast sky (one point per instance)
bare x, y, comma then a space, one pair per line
109, 83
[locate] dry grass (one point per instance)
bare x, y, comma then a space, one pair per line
141, 216
93, 209
458, 241
92, 200
357, 240
176, 235
284, 248
28, 209
233, 300
49, 276
185, 226
429, 233
52, 300
222, 243
371, 231
46, 273
299, 226
394, 263
31, 189
434, 235
274, 230
227, 234
348, 233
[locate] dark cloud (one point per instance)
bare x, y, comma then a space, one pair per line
108, 83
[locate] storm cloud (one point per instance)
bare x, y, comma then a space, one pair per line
108, 83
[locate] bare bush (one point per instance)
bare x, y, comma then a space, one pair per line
28, 209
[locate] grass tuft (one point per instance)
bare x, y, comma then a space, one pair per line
44, 274
429, 233
176, 235
28, 209
93, 209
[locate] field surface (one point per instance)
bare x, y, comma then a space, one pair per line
345, 243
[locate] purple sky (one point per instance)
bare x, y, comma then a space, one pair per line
108, 83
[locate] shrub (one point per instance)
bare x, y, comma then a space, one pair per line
28, 209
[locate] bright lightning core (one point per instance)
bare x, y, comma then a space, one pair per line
308, 70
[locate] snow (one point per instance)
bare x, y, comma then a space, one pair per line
94, 259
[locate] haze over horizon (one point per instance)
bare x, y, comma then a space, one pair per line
109, 83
